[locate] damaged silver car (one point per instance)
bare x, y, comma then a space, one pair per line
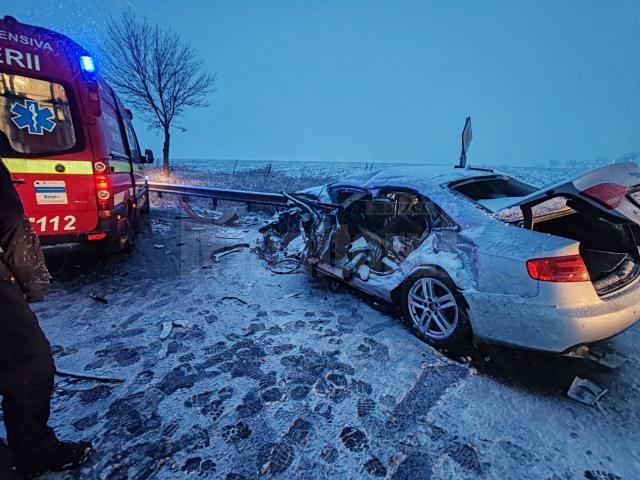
467, 252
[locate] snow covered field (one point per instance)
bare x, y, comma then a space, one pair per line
279, 376
292, 176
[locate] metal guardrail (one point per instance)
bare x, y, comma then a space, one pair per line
260, 198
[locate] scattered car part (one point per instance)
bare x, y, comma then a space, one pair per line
244, 302
182, 323
604, 355
219, 252
228, 238
98, 298
585, 391
292, 295
296, 265
191, 215
166, 330
228, 216
85, 376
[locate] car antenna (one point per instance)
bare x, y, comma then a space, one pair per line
466, 141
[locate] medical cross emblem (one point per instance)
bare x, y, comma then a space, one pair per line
29, 115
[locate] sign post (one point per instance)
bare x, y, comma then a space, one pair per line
467, 135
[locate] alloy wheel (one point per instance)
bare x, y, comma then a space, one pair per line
433, 308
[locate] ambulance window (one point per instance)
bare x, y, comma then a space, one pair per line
35, 117
133, 142
113, 131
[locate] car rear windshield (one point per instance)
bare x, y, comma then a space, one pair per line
35, 117
486, 188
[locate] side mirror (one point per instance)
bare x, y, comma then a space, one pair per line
148, 156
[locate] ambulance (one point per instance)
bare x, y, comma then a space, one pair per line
68, 141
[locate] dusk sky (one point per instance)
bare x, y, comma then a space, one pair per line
370, 81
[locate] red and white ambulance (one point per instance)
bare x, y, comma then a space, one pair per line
67, 140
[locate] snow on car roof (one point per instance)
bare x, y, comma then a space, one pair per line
419, 177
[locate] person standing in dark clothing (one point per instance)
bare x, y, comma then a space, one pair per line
26, 362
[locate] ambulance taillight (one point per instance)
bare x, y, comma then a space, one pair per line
103, 186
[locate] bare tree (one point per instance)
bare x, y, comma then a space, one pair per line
155, 71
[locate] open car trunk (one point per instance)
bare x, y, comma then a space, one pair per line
609, 249
600, 209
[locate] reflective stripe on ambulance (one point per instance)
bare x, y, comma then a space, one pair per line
117, 166
38, 166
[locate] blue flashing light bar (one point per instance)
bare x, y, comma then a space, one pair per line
87, 65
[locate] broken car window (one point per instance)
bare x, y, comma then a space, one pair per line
493, 187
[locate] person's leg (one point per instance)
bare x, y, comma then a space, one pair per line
26, 377
26, 383
7, 464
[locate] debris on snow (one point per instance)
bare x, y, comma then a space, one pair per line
228, 238
167, 327
229, 215
158, 246
191, 215
166, 330
585, 391
286, 270
182, 323
194, 229
217, 253
234, 298
604, 355
98, 298
84, 376
292, 295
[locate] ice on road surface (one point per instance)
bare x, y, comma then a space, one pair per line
278, 376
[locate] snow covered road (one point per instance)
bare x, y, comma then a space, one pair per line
266, 375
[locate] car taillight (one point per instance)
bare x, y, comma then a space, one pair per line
103, 190
569, 268
608, 194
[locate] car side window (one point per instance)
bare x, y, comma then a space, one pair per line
438, 218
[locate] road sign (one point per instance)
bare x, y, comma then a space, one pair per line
467, 135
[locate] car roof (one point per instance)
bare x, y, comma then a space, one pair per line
421, 178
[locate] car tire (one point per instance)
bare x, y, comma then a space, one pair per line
147, 205
435, 311
124, 242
